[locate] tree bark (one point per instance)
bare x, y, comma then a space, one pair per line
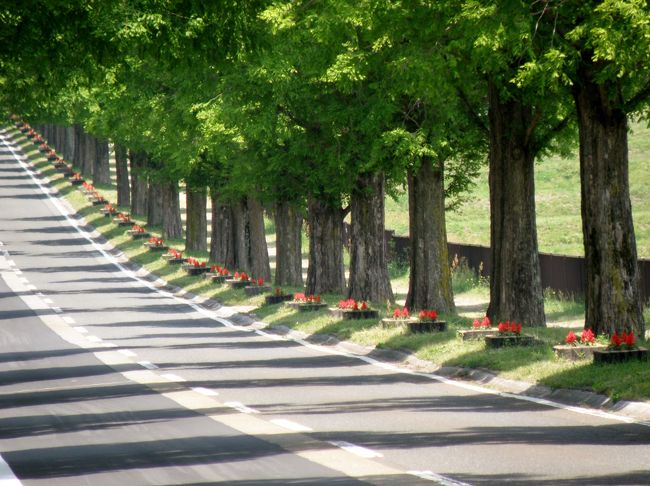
369, 278
196, 232
88, 155
139, 200
79, 147
222, 248
515, 285
241, 235
122, 175
258, 251
172, 227
156, 203
70, 143
430, 284
325, 272
101, 168
288, 245
612, 296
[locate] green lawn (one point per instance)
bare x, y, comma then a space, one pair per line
557, 183
536, 364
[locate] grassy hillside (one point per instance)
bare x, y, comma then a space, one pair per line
558, 204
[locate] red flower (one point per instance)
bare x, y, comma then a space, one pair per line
260, 281
486, 322
587, 337
616, 340
629, 339
475, 324
570, 338
364, 306
355, 305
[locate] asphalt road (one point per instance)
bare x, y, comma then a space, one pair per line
106, 380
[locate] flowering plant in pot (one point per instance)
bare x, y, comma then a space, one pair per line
239, 280
137, 232
277, 297
155, 244
257, 287
174, 256
108, 210
509, 334
427, 322
303, 302
622, 347
480, 328
193, 266
122, 219
577, 347
353, 309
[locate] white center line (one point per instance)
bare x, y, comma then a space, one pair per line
205, 391
173, 377
355, 449
241, 407
148, 364
288, 424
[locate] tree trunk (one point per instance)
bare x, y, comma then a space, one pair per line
88, 155
258, 251
369, 278
196, 221
222, 248
241, 235
101, 168
155, 206
515, 284
288, 245
70, 143
325, 272
612, 296
139, 201
122, 175
171, 209
430, 276
79, 147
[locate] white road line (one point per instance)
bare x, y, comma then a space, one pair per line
68, 319
7, 476
355, 449
30, 287
173, 377
58, 310
205, 391
11, 263
81, 329
127, 352
431, 476
94, 339
290, 425
241, 407
18, 271
148, 364
22, 279
48, 300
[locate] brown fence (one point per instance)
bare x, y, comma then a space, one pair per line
559, 272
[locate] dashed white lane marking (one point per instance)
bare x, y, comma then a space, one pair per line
22, 279
7, 476
173, 377
58, 310
290, 425
48, 300
431, 476
81, 329
356, 449
127, 352
69, 320
205, 391
30, 287
148, 364
241, 407
18, 271
94, 339
11, 263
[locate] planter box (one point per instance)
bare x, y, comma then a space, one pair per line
257, 290
173, 261
121, 222
277, 299
346, 314
575, 353
52, 157
390, 322
237, 284
493, 342
107, 213
98, 200
193, 271
427, 326
608, 356
306, 306
476, 334
154, 248
136, 235
218, 279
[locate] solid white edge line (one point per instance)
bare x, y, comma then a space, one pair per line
431, 476
205, 391
241, 407
148, 364
81, 329
210, 314
291, 425
173, 377
127, 352
68, 320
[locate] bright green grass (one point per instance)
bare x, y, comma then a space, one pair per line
557, 184
535, 364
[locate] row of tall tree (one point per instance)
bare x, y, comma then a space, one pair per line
316, 110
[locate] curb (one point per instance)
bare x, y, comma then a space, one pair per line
639, 411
